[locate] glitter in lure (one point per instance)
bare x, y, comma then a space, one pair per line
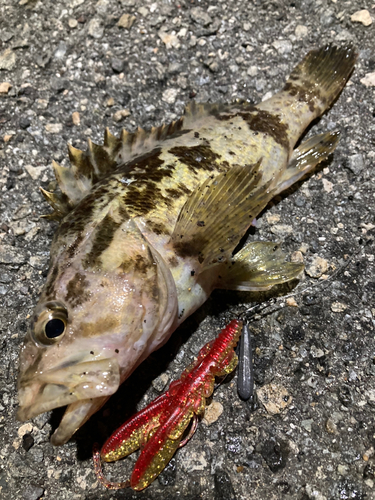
159, 428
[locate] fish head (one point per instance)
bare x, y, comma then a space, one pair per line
99, 316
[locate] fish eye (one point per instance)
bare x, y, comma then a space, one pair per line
50, 325
54, 328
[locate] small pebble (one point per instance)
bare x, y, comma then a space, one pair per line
54, 128
32, 492
24, 122
282, 229
291, 302
342, 470
126, 21
117, 65
59, 84
213, 412
170, 40
170, 95
121, 114
61, 51
76, 118
11, 255
361, 16
317, 267
200, 16
5, 87
7, 59
356, 163
306, 424
283, 46
25, 429
331, 426
73, 23
143, 11
160, 382
95, 28
327, 185
34, 172
297, 257
338, 307
369, 80
275, 398
301, 31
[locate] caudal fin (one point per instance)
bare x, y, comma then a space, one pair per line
321, 75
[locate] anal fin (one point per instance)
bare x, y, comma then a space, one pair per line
306, 157
258, 266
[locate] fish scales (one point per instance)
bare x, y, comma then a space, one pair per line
148, 225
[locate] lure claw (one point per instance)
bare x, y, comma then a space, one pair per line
158, 430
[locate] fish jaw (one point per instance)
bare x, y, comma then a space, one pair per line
74, 417
67, 385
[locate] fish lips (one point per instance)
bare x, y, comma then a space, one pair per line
66, 385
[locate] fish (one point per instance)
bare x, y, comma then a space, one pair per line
149, 225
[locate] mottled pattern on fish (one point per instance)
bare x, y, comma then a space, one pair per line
149, 222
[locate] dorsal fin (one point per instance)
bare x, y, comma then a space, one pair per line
197, 110
89, 167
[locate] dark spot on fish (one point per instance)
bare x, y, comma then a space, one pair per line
117, 351
232, 153
192, 273
191, 247
91, 352
77, 290
103, 237
174, 193
141, 264
51, 280
81, 216
181, 313
173, 262
196, 134
199, 158
306, 92
72, 249
267, 123
200, 223
184, 189
147, 173
154, 290
157, 227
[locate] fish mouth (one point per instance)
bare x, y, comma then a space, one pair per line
81, 386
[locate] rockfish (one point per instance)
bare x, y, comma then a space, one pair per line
148, 225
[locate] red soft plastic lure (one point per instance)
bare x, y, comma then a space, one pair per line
158, 429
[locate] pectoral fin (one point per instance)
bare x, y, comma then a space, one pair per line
258, 266
306, 157
218, 213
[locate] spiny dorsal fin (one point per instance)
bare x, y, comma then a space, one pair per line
89, 167
57, 203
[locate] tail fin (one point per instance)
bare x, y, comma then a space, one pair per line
321, 75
